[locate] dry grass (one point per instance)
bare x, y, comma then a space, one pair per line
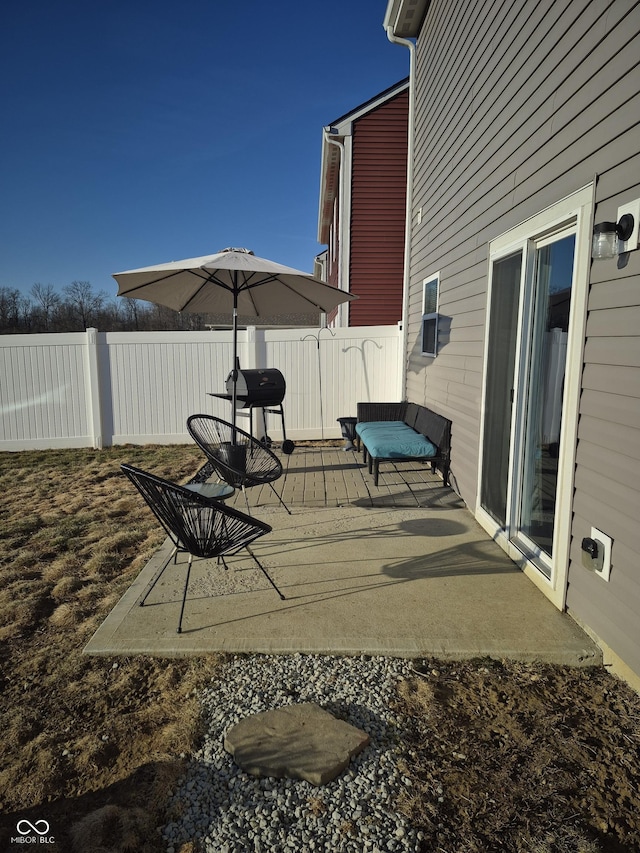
499, 756
91, 745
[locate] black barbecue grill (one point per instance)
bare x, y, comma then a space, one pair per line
263, 388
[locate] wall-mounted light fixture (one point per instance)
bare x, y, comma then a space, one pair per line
607, 236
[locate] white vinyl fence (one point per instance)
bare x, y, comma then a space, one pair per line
96, 389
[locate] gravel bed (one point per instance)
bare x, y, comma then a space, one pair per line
231, 811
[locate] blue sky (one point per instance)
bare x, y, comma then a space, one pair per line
137, 132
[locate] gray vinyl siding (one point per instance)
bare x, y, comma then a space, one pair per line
509, 120
517, 106
607, 484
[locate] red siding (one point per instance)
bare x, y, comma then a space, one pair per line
378, 197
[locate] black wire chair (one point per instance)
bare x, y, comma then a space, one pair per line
197, 525
238, 458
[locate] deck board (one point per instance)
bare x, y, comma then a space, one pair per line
328, 476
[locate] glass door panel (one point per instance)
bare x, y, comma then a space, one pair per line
501, 356
547, 347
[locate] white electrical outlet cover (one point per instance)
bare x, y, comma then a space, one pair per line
606, 542
633, 207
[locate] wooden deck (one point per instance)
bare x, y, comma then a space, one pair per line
328, 476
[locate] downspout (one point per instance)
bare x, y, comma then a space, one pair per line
344, 307
394, 39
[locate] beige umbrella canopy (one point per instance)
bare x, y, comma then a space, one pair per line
231, 282
233, 278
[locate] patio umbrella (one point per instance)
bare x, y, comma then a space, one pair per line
231, 282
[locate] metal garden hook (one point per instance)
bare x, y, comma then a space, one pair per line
316, 338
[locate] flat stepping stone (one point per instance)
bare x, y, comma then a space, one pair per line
297, 741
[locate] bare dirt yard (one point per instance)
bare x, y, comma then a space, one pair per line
502, 756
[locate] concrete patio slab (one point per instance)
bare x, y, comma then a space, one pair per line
372, 580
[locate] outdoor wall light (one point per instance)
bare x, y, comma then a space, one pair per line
607, 237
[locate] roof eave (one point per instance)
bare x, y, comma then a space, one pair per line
328, 185
405, 17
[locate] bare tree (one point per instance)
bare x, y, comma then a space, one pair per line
84, 305
14, 311
80, 307
47, 301
134, 314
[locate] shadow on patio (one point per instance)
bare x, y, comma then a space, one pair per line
403, 569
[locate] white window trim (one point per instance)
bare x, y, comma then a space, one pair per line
433, 315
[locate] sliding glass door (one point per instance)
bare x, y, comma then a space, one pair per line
526, 355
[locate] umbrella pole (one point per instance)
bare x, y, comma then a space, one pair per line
235, 368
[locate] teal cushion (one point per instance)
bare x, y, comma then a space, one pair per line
395, 440
378, 426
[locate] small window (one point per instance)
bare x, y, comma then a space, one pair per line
430, 293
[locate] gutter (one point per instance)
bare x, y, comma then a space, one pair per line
343, 308
394, 39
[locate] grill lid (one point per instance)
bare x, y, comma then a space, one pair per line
264, 386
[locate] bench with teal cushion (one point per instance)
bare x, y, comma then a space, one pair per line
389, 432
